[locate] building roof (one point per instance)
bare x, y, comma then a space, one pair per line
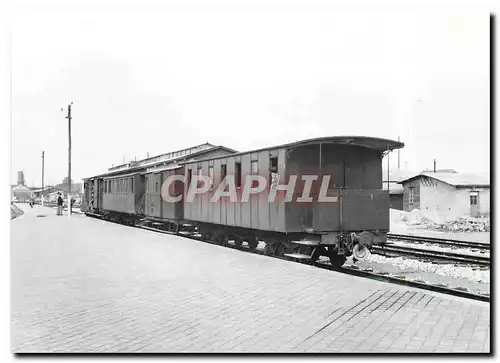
172, 155
396, 175
455, 179
163, 160
20, 188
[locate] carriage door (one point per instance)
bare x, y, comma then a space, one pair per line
474, 204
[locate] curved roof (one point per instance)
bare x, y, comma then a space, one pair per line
374, 143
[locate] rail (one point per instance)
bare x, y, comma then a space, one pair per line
438, 241
394, 250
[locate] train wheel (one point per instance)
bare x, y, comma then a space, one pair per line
336, 260
253, 242
316, 253
238, 242
223, 240
269, 249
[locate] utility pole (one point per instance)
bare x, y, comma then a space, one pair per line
388, 169
398, 155
43, 160
69, 158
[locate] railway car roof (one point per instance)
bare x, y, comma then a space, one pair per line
162, 168
374, 143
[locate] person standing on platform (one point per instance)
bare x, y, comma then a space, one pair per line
59, 204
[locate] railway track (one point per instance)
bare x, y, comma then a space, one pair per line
326, 265
439, 241
391, 250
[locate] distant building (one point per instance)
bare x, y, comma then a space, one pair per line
395, 189
20, 178
21, 193
448, 194
76, 188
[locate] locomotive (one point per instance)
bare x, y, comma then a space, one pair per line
311, 198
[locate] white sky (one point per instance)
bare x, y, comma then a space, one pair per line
156, 82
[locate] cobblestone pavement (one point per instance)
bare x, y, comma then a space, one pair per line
83, 285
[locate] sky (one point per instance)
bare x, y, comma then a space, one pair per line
153, 82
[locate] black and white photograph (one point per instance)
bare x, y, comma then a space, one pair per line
251, 178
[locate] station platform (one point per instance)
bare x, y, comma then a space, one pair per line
83, 285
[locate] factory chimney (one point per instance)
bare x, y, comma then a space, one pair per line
20, 178
434, 165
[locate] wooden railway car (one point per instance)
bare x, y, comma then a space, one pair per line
131, 192
124, 193
156, 207
355, 216
360, 216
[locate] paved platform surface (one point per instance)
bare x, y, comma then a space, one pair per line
84, 285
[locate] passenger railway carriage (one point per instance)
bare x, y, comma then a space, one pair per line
355, 217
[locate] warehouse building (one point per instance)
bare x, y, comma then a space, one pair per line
395, 189
448, 194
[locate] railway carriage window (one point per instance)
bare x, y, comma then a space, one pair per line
273, 164
255, 167
211, 175
273, 170
238, 174
190, 173
200, 173
156, 187
132, 185
255, 171
223, 171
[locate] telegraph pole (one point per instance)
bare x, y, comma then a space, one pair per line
388, 169
43, 160
69, 158
398, 154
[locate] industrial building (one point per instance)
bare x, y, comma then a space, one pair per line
395, 189
448, 193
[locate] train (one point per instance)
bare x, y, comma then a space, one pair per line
306, 199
